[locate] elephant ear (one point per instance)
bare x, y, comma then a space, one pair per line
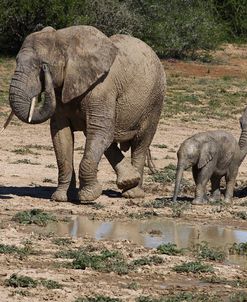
207, 153
90, 55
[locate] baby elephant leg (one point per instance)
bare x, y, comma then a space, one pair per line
215, 185
127, 175
202, 177
230, 183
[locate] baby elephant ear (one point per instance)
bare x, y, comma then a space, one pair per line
207, 153
90, 55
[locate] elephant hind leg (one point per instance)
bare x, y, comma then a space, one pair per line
215, 188
127, 175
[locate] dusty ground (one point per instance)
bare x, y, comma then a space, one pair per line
28, 176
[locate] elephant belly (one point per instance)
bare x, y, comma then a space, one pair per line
122, 136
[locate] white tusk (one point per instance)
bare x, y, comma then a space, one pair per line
33, 103
7, 121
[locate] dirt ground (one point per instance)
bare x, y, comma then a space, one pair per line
28, 176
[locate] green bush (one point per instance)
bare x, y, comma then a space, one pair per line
180, 27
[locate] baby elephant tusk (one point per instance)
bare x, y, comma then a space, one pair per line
33, 103
7, 121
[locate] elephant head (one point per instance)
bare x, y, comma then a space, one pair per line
66, 62
192, 152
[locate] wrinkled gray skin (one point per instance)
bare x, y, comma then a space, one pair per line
212, 155
112, 89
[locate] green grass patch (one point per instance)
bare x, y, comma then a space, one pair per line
165, 175
193, 267
50, 284
105, 261
153, 260
205, 252
34, 216
178, 208
28, 282
239, 249
161, 146
194, 98
143, 215
62, 241
24, 151
21, 281
24, 161
169, 249
239, 297
98, 299
13, 249
158, 203
182, 297
241, 215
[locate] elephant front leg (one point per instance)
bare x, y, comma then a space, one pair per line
127, 175
201, 178
63, 142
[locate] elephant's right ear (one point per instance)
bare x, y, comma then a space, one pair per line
90, 55
207, 153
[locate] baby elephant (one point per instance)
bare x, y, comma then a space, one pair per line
212, 155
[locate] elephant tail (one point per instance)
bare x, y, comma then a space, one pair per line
7, 121
150, 162
179, 175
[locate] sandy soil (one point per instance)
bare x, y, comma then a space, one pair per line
28, 176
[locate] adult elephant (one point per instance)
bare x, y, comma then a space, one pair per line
112, 89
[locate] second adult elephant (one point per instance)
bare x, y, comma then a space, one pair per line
112, 89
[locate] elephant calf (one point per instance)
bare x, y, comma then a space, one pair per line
212, 155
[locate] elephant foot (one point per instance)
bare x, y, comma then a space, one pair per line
228, 200
214, 198
200, 201
136, 192
127, 175
59, 195
90, 192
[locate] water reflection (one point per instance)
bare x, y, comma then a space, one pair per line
140, 232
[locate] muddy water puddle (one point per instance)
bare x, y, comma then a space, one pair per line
153, 232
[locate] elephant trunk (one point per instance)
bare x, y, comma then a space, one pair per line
24, 106
243, 144
179, 175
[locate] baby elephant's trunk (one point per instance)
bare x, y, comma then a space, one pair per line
179, 175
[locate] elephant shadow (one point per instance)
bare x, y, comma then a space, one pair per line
34, 192
44, 192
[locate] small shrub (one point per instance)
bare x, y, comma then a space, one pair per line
178, 209
34, 216
239, 248
148, 261
161, 146
165, 175
105, 261
158, 203
62, 241
193, 267
242, 215
205, 252
13, 249
98, 299
50, 284
21, 281
239, 297
169, 249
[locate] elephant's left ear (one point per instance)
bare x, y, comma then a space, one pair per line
90, 55
207, 153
